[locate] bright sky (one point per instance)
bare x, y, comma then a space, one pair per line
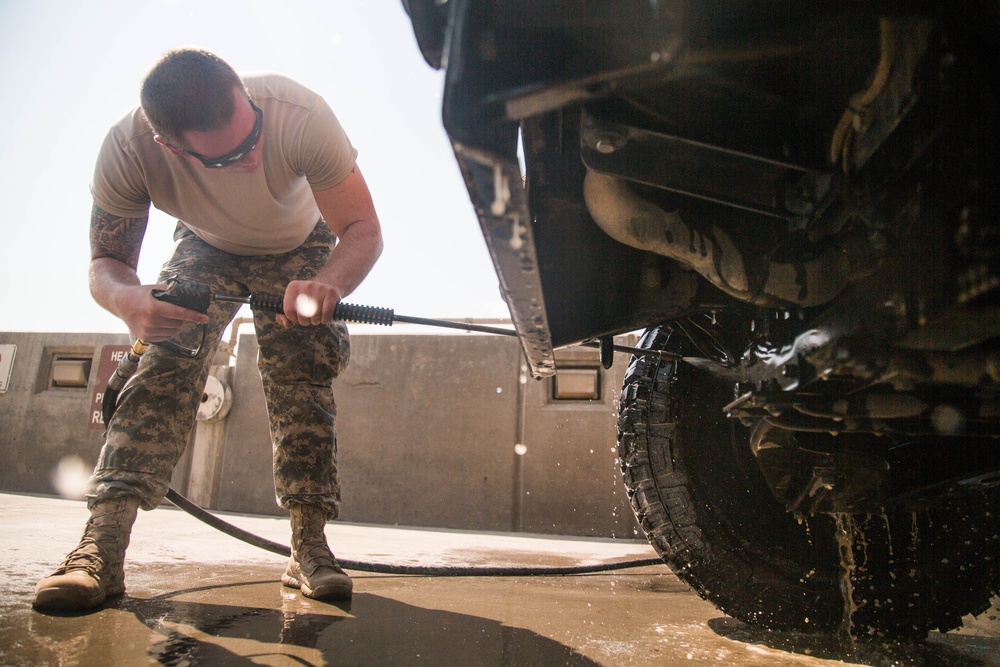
69, 69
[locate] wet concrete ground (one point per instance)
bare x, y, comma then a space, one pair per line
198, 597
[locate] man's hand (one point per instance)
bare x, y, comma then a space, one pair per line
308, 303
348, 210
151, 319
114, 255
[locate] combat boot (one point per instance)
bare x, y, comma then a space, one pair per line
95, 569
312, 567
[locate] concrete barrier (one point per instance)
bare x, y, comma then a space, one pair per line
441, 431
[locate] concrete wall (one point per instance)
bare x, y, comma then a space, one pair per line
41, 424
429, 428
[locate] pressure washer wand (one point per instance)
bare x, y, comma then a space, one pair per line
197, 297
348, 312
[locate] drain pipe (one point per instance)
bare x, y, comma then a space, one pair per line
634, 221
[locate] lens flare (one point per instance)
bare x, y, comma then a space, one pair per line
70, 478
305, 305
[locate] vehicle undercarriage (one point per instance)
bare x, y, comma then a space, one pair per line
799, 204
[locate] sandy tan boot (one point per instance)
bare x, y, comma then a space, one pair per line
312, 567
94, 570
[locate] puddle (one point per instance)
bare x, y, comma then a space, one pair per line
950, 650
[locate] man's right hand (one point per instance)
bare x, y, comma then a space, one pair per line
151, 319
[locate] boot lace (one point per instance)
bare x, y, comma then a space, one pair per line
91, 554
312, 551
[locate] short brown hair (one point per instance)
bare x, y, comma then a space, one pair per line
188, 89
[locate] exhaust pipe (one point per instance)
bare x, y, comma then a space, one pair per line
639, 223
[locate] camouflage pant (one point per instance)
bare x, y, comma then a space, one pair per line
157, 409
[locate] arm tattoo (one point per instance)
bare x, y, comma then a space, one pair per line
115, 237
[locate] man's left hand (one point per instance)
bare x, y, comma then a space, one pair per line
308, 303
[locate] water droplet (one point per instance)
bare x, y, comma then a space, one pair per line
947, 419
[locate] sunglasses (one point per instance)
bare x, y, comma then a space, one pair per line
238, 153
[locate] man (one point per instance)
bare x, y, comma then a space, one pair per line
263, 181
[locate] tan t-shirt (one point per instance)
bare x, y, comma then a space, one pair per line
270, 211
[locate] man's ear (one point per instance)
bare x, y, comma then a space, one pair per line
163, 142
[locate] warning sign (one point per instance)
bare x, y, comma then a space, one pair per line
111, 356
7, 352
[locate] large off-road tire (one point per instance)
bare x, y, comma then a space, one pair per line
705, 507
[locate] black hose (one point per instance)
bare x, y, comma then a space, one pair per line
225, 527
386, 568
